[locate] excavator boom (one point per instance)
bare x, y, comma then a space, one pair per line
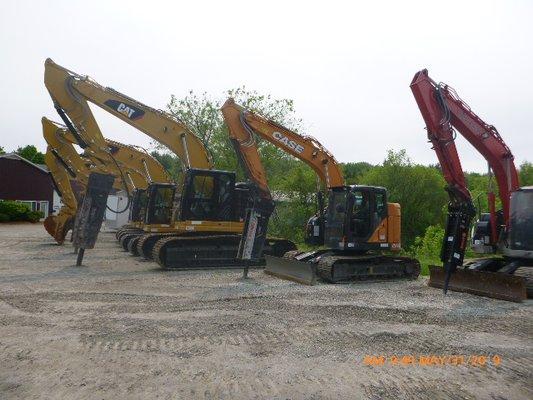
445, 113
70, 172
71, 92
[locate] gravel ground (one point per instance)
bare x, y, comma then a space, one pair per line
121, 328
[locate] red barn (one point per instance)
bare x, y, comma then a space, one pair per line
26, 182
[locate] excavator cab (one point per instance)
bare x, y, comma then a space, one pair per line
521, 221
208, 195
354, 214
138, 205
159, 205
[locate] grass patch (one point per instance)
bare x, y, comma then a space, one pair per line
425, 262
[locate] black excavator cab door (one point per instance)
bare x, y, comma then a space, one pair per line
159, 204
337, 215
521, 221
208, 195
354, 213
138, 205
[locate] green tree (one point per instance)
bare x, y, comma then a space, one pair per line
427, 248
291, 182
478, 185
2, 151
296, 202
419, 190
201, 114
170, 162
31, 153
526, 174
353, 171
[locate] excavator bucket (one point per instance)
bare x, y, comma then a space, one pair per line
50, 225
481, 283
58, 227
291, 269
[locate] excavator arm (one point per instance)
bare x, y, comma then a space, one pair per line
305, 148
243, 123
71, 92
443, 110
258, 213
70, 172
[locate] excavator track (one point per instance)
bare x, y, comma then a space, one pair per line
125, 231
126, 238
132, 245
122, 228
210, 251
308, 268
197, 252
343, 268
146, 243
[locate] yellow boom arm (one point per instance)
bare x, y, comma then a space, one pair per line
137, 168
70, 93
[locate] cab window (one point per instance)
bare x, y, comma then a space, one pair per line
381, 204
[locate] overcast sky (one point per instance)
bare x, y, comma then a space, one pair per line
347, 65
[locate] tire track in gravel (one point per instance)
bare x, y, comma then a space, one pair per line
408, 341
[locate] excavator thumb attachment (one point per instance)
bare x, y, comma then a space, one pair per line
291, 269
481, 283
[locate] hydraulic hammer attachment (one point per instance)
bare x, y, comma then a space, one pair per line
91, 213
460, 214
489, 284
254, 233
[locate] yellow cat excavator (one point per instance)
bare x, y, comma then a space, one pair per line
134, 167
198, 225
356, 225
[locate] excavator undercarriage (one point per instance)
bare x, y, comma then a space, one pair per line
338, 267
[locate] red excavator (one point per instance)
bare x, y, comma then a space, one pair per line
507, 232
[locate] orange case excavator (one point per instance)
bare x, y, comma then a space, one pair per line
356, 225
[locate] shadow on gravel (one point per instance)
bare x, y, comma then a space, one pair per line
49, 244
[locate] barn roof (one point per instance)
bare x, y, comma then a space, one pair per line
15, 156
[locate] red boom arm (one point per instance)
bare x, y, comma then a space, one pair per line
443, 110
